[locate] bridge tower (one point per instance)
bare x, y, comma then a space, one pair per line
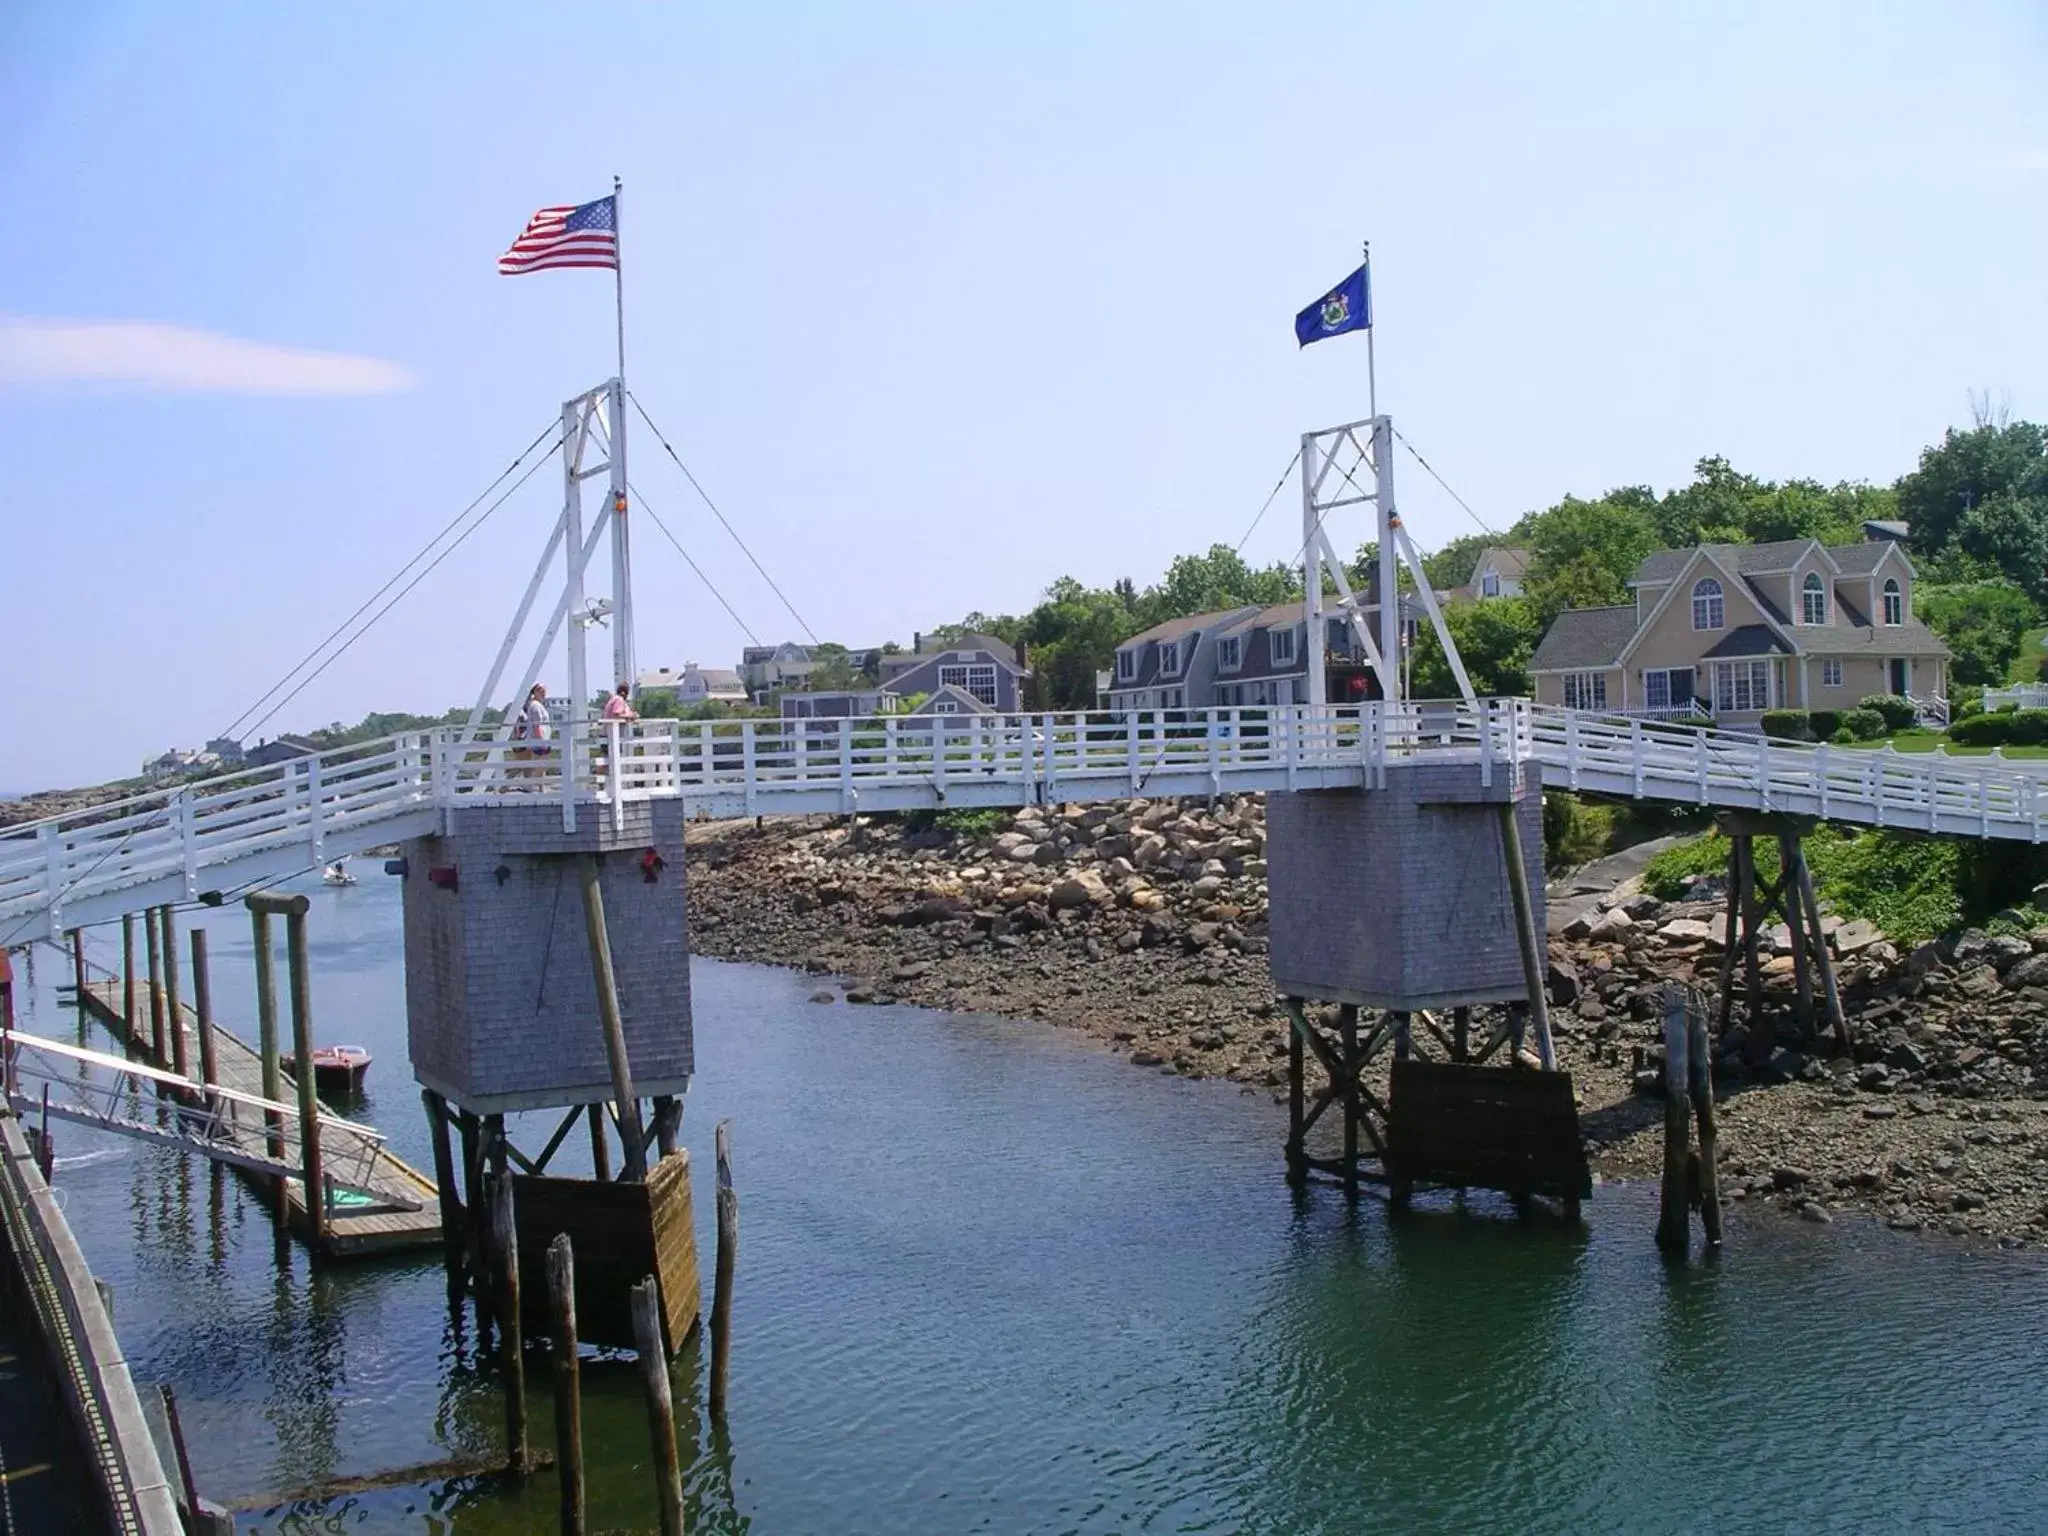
546, 947
1418, 897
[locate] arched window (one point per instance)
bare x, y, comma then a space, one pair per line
1894, 605
1813, 600
1707, 609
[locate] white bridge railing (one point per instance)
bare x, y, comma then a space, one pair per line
238, 830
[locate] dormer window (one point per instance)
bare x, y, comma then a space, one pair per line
1813, 600
1708, 609
1126, 666
1230, 652
1169, 657
1489, 584
1282, 642
1894, 603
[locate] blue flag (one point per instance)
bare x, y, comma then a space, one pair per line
1346, 307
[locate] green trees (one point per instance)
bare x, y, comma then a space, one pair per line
1984, 623
1494, 639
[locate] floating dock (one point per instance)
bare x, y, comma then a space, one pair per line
238, 1066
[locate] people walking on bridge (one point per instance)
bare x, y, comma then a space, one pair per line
619, 706
533, 730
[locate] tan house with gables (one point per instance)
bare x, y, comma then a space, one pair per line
1735, 629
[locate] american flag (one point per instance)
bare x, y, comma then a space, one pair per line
585, 235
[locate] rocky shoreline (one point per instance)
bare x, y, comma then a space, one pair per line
1143, 926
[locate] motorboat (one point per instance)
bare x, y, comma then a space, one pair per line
337, 873
337, 1069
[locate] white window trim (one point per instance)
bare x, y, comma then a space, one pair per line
1126, 665
1585, 690
1230, 653
1892, 593
1814, 585
1281, 644
1489, 584
1711, 604
965, 674
1169, 657
945, 707
1831, 664
1726, 694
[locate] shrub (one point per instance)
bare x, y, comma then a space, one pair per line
1969, 704
2029, 727
1574, 832
1824, 723
1897, 712
1982, 731
1843, 736
974, 823
1788, 724
1863, 724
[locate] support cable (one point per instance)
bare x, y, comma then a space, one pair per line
399, 597
640, 504
396, 577
1439, 479
1267, 504
722, 523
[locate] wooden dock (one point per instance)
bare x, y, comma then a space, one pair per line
237, 1065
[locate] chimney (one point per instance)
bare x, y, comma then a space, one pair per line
916, 643
1023, 656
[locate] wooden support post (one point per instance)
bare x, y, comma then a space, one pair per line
1700, 1078
633, 1155
661, 1412
1791, 865
1403, 1036
1347, 1035
301, 978
667, 1117
1461, 1034
174, 1008
1731, 935
444, 1180
202, 1002
128, 1019
153, 938
728, 1252
600, 1149
189, 1489
1526, 933
473, 1154
1672, 1206
266, 1046
511, 1338
1810, 904
1296, 1133
1758, 1042
78, 963
568, 1383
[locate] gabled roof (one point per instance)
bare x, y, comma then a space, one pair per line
1748, 640
1864, 559
1175, 629
964, 703
1743, 559
1511, 563
1584, 637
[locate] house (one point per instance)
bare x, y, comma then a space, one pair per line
1239, 658
696, 685
837, 704
1736, 629
1499, 572
227, 749
982, 665
950, 699
766, 669
171, 764
281, 750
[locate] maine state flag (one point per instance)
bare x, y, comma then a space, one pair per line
1346, 307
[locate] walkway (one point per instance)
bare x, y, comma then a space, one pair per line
240, 830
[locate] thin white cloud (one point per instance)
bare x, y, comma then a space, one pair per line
142, 352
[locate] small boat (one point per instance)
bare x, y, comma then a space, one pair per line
337, 873
337, 1069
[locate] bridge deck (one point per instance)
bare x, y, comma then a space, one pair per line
239, 1066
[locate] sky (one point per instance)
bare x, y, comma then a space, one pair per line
938, 302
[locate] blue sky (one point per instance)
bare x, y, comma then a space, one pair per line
940, 302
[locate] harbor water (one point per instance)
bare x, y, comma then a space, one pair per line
994, 1280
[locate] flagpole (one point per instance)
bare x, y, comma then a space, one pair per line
1372, 383
619, 278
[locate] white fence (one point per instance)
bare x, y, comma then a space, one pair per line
2023, 695
240, 829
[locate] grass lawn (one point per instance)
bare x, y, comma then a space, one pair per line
1920, 739
2026, 667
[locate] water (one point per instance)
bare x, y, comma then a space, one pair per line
993, 1280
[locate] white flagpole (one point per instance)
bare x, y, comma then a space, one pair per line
624, 662
619, 277
1372, 383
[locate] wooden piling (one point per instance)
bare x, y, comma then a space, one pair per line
78, 960
728, 1253
301, 968
472, 1133
668, 1117
266, 1045
1731, 934
174, 1011
189, 1496
661, 1412
1700, 1077
633, 1152
1296, 1132
568, 1382
1347, 1034
1838, 1021
1672, 1205
444, 1183
1791, 864
1526, 935
128, 1019
1461, 1034
202, 1003
600, 1149
153, 940
511, 1337
1758, 1043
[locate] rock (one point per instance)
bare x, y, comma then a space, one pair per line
2007, 951
1085, 889
1687, 930
1609, 924
2030, 972
1579, 926
1788, 1178
1564, 985
1814, 1211
1978, 981
823, 997
860, 994
1856, 936
1643, 907
1201, 935
1021, 853
1145, 1057
1924, 958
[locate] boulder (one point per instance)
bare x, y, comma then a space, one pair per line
2030, 972
1855, 936
1687, 930
1082, 890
